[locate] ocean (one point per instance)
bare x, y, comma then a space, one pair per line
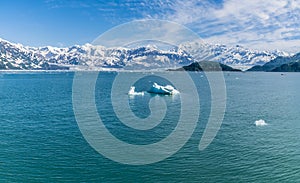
42, 141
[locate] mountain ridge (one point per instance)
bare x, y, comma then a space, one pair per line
206, 66
284, 64
18, 57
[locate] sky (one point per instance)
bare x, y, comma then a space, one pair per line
256, 24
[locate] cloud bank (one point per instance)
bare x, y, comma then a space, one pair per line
258, 24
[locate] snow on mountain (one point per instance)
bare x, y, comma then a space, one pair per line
87, 56
236, 56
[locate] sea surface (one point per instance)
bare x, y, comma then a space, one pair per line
40, 140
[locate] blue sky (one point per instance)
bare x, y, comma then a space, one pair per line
257, 24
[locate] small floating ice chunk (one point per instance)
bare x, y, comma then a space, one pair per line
260, 122
165, 90
132, 92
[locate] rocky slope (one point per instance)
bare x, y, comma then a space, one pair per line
278, 64
206, 66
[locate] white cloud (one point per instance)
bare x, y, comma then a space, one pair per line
257, 23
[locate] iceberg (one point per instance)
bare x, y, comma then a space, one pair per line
132, 92
260, 122
164, 90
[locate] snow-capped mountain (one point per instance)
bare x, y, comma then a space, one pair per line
17, 56
236, 56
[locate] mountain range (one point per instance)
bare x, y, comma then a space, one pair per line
15, 56
280, 64
206, 66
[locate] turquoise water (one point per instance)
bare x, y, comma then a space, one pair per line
40, 140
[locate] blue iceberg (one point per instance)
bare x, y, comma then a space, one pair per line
164, 90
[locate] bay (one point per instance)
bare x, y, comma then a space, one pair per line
40, 140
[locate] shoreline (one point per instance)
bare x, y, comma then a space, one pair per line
128, 71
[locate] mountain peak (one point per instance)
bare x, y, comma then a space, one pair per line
17, 56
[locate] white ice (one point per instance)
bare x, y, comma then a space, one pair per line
260, 122
166, 90
132, 92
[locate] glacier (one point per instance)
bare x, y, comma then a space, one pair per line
95, 57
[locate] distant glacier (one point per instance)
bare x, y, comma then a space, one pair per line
18, 57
